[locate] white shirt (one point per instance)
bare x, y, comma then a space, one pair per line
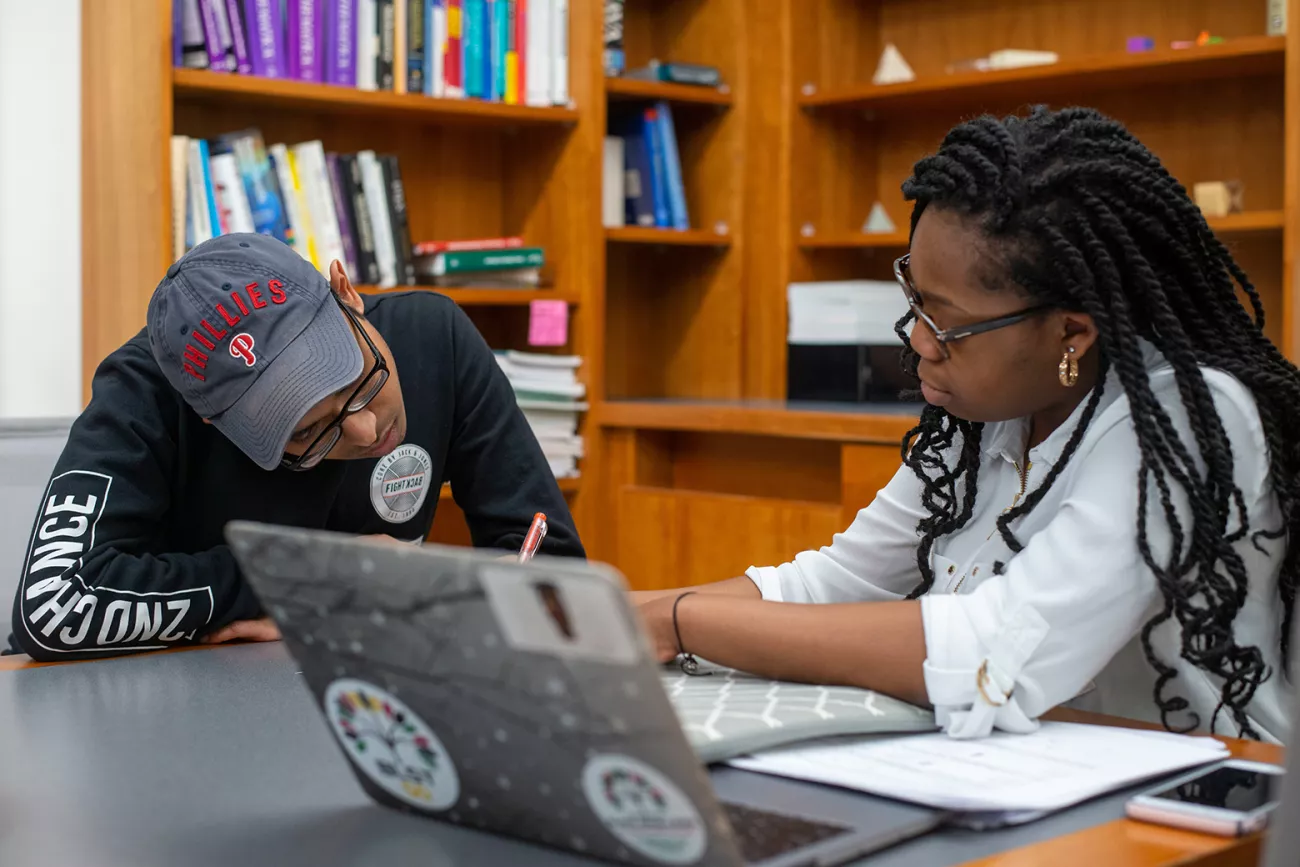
1067, 612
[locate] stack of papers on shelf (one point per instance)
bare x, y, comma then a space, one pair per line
1017, 776
549, 394
845, 313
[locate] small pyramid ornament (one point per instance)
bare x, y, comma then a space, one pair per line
892, 69
878, 222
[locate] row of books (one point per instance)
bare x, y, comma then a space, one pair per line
511, 51
642, 172
484, 263
327, 206
550, 395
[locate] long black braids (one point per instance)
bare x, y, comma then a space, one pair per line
1085, 218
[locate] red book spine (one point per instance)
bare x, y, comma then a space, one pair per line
428, 248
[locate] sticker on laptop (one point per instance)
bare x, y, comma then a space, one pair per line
391, 745
644, 809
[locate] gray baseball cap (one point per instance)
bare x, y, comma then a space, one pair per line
252, 337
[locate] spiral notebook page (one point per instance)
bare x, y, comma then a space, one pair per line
1059, 765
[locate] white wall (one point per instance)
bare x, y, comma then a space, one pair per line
40, 208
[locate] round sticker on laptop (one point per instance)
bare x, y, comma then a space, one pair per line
392, 746
644, 809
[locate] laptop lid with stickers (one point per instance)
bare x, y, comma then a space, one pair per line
501, 697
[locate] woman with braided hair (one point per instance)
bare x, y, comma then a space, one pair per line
1094, 506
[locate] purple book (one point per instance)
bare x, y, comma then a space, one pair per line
304, 21
239, 38
343, 43
178, 18
212, 36
266, 35
342, 202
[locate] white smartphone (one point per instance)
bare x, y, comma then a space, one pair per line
1230, 799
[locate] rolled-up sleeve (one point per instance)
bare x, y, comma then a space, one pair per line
1032, 638
873, 560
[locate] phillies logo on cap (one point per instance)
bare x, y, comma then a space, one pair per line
241, 346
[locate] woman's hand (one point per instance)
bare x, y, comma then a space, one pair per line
657, 615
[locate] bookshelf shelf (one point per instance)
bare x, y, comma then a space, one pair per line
1237, 58
227, 88
468, 296
676, 237
884, 423
632, 89
1249, 223
852, 240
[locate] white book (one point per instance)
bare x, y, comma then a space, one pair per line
611, 187
180, 192
560, 52
563, 467
547, 408
292, 207
232, 199
542, 386
567, 446
538, 59
223, 35
542, 359
199, 214
438, 85
313, 174
372, 183
367, 44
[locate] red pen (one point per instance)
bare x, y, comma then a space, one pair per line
536, 533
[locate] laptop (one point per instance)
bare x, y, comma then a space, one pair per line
524, 700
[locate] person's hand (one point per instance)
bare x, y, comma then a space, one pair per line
657, 615
261, 629
384, 537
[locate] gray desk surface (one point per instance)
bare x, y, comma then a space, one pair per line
219, 757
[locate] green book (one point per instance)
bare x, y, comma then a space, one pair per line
486, 260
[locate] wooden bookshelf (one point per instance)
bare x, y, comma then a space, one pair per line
853, 241
1240, 58
467, 296
633, 89
1249, 223
691, 441
879, 423
675, 237
199, 85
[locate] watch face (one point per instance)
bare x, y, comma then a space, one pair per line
391, 745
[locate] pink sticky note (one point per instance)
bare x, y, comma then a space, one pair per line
548, 323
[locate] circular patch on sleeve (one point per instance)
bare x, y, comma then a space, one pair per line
400, 483
644, 809
391, 745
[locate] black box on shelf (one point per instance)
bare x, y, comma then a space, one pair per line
847, 374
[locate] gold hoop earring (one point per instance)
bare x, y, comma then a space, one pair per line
1068, 369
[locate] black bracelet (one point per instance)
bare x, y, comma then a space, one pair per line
689, 664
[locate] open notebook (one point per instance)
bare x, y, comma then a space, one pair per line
729, 713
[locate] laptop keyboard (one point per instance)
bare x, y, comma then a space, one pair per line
762, 835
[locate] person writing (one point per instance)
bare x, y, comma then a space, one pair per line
1098, 495
261, 391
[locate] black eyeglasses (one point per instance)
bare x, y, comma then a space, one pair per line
903, 274
366, 391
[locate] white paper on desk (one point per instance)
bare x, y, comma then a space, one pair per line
1059, 765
